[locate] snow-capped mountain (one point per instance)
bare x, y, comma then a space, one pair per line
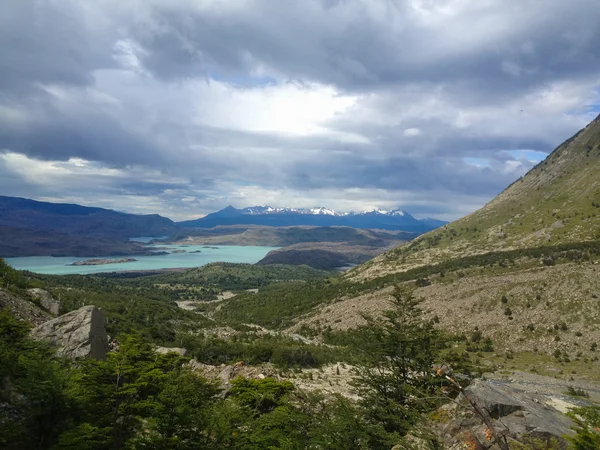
384, 212
395, 219
270, 210
254, 210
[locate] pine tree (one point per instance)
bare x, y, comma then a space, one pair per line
397, 379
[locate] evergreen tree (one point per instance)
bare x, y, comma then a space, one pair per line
397, 379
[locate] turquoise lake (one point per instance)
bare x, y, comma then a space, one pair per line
222, 253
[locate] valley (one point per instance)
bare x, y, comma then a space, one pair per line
497, 312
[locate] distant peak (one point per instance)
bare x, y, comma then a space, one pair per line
386, 212
318, 210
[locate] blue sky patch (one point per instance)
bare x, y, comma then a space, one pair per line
533, 156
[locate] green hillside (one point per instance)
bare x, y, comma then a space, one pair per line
557, 202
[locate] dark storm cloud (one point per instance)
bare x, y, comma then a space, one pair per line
439, 91
499, 46
43, 43
59, 138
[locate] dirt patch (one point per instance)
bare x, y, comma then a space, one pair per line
226, 295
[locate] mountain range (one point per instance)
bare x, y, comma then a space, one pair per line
396, 219
34, 228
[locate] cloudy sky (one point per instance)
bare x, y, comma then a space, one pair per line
182, 107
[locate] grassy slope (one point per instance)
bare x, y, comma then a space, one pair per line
556, 202
240, 276
526, 245
537, 244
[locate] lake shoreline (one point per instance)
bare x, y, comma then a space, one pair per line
170, 258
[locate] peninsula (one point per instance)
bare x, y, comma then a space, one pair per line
100, 262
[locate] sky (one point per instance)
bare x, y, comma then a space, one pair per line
182, 107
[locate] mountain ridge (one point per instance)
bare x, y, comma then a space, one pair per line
17, 212
395, 219
556, 202
33, 228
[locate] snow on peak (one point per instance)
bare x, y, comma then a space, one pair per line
385, 212
265, 209
324, 211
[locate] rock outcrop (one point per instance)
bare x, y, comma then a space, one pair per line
164, 350
78, 334
47, 302
23, 309
488, 412
226, 373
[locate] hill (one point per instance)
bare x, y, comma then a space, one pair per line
29, 227
322, 217
67, 218
326, 255
33, 242
557, 202
284, 236
521, 271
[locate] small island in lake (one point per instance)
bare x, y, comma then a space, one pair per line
100, 262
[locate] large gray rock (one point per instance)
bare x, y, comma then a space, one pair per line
489, 413
78, 334
47, 302
519, 413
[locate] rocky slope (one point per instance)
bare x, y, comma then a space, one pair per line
23, 309
538, 304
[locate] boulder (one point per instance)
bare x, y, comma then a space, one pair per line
518, 412
488, 410
78, 334
47, 302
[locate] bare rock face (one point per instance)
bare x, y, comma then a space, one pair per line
48, 302
78, 334
164, 350
226, 373
505, 414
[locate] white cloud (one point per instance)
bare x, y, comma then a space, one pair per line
412, 132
